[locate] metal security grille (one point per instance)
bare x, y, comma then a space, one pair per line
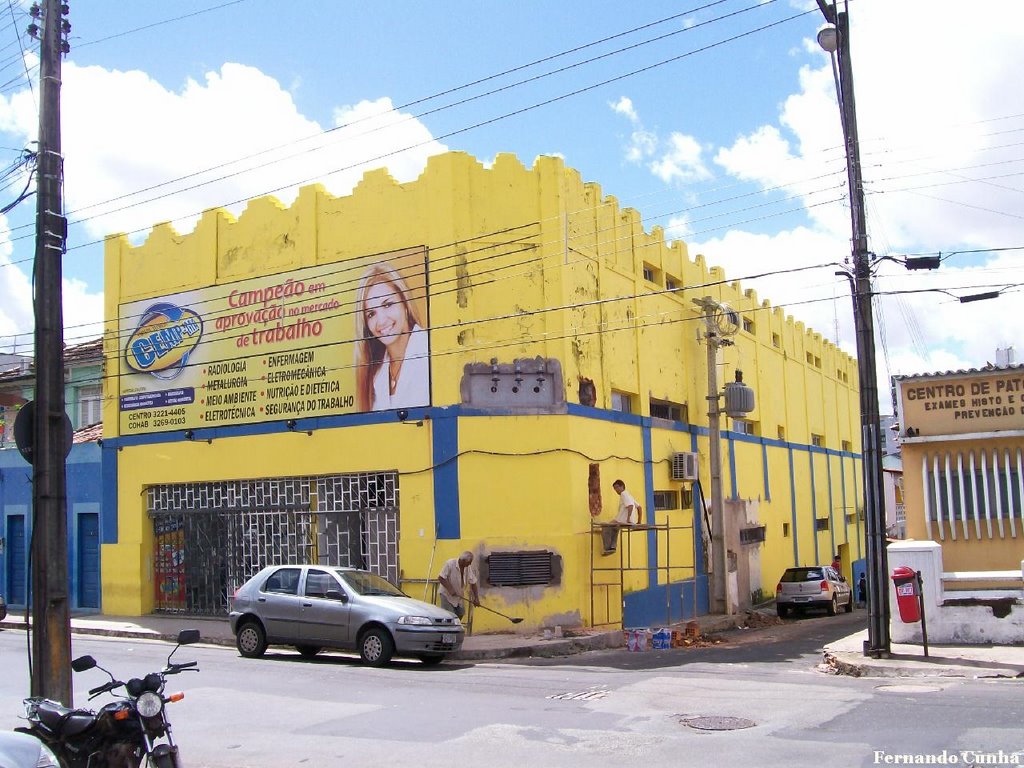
358, 522
211, 537
966, 492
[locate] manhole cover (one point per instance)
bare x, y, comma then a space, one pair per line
908, 688
713, 723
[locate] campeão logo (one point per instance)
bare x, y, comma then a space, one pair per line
163, 340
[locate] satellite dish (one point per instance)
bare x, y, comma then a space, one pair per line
726, 319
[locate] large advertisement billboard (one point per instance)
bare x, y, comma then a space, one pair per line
340, 338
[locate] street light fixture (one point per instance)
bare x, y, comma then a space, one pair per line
835, 40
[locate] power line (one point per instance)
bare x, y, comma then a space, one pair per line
421, 100
452, 133
83, 44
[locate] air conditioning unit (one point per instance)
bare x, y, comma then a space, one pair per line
684, 466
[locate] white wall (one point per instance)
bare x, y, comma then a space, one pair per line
950, 624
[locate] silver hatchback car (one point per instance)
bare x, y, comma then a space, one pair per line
316, 606
814, 586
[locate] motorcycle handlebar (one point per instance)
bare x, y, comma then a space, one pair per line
105, 687
175, 668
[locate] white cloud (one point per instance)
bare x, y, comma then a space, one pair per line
16, 308
124, 132
681, 162
677, 160
934, 129
624, 106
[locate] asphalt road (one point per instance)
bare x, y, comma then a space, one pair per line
598, 709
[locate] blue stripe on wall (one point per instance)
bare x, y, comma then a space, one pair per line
652, 535
764, 472
698, 525
814, 506
108, 511
792, 510
733, 485
831, 504
445, 437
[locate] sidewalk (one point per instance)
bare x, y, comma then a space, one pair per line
845, 656
218, 632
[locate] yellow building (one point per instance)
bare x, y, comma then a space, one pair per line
962, 436
549, 345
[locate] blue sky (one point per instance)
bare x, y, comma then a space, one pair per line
729, 137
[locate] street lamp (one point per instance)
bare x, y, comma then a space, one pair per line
835, 40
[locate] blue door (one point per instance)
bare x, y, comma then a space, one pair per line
88, 560
17, 563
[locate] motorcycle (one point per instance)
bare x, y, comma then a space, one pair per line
129, 732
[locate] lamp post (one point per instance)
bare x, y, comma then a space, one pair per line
835, 39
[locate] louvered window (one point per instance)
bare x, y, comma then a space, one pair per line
518, 569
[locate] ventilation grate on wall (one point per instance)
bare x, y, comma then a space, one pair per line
519, 569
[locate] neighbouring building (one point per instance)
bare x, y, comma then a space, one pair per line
962, 435
552, 346
83, 388
87, 516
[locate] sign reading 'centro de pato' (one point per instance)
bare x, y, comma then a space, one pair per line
339, 338
983, 401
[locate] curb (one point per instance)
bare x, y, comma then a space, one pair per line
546, 649
133, 634
842, 664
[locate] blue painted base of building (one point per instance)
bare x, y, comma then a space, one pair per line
665, 604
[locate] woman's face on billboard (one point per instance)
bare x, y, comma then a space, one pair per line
385, 313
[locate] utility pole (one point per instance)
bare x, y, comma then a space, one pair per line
51, 622
719, 323
719, 543
836, 41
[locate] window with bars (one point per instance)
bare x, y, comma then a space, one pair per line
744, 426
622, 401
821, 524
973, 489
752, 535
90, 405
666, 499
666, 409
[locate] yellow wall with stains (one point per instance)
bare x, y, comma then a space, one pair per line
524, 262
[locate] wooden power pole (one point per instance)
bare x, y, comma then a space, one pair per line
51, 620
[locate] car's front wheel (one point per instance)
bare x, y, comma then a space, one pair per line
251, 640
376, 647
849, 604
833, 607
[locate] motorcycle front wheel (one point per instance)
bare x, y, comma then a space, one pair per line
163, 756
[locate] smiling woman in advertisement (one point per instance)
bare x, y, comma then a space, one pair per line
392, 354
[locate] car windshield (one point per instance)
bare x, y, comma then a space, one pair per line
803, 574
364, 583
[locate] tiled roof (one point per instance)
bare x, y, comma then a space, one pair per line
90, 352
988, 368
89, 434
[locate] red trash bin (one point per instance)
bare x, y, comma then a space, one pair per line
905, 580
